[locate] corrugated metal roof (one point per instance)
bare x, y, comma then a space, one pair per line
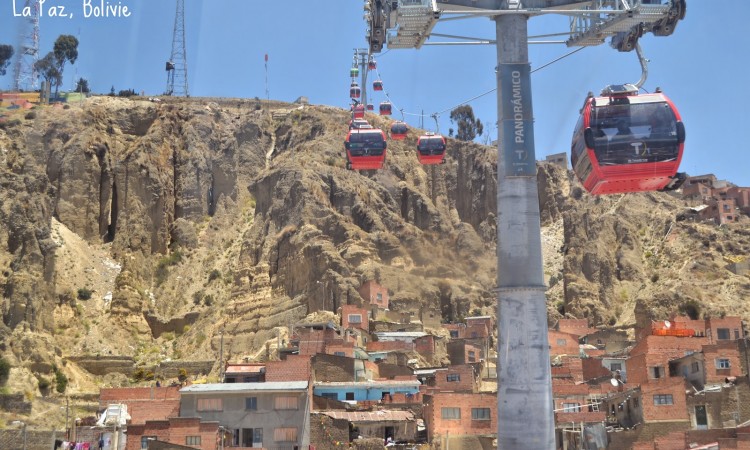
242, 368
245, 387
366, 416
414, 334
370, 384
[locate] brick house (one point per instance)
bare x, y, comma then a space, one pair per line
294, 368
727, 328
664, 400
649, 359
461, 378
454, 414
374, 294
462, 351
189, 432
353, 316
573, 405
579, 327
722, 360
561, 343
148, 403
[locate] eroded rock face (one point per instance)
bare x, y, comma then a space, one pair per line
249, 220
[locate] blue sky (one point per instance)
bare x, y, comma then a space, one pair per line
702, 67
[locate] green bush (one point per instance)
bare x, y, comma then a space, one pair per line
44, 383
162, 267
61, 381
4, 370
84, 293
30, 115
215, 274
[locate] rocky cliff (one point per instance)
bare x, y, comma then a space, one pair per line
190, 219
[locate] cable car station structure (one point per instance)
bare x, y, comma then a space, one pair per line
525, 415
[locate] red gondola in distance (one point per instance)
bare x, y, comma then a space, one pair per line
358, 111
365, 149
385, 109
377, 85
431, 149
370, 107
372, 65
354, 91
628, 142
398, 131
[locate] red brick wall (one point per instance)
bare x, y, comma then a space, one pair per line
731, 323
369, 292
579, 327
346, 348
425, 345
437, 426
294, 368
382, 346
144, 403
460, 328
727, 350
175, 431
570, 347
486, 321
654, 351
676, 412
478, 353
346, 310
466, 383
593, 368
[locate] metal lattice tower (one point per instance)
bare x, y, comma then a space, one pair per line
177, 79
25, 74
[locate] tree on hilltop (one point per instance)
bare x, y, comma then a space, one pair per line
6, 53
47, 68
65, 50
469, 127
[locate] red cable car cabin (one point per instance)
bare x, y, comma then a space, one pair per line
377, 85
628, 142
385, 109
372, 65
431, 149
398, 131
358, 111
365, 149
354, 91
370, 107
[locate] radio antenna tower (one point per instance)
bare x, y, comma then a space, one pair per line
25, 74
177, 80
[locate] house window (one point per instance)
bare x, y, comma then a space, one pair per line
722, 363
286, 402
330, 395
288, 434
722, 333
472, 356
663, 399
615, 366
454, 333
695, 367
251, 403
451, 377
355, 318
145, 439
379, 297
656, 372
252, 437
210, 404
562, 342
480, 413
736, 333
350, 395
192, 440
571, 407
451, 413
339, 354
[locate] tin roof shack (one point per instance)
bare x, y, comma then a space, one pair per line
245, 373
460, 414
269, 415
400, 426
365, 391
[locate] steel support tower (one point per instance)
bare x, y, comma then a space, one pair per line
361, 60
525, 408
177, 77
25, 76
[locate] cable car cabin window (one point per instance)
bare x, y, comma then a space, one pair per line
634, 133
578, 145
371, 144
431, 146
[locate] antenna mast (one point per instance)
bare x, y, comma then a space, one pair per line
177, 80
25, 74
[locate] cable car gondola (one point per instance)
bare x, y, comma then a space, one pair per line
372, 65
385, 109
354, 91
431, 149
628, 142
370, 107
377, 85
358, 111
398, 131
354, 72
365, 149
